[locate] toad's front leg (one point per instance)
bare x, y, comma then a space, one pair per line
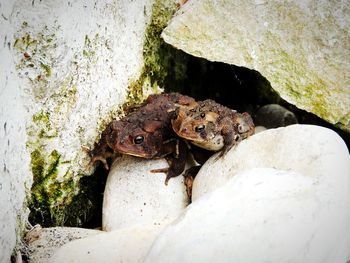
176, 159
100, 152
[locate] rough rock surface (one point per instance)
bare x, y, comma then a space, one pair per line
284, 197
123, 245
133, 195
51, 239
66, 67
301, 47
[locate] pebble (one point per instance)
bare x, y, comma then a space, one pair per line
49, 240
133, 195
129, 244
273, 116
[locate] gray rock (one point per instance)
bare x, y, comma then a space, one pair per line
273, 116
301, 47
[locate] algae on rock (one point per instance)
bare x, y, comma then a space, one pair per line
79, 89
301, 47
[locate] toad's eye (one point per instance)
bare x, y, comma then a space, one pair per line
202, 114
138, 139
200, 128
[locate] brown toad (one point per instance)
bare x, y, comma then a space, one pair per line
211, 125
147, 133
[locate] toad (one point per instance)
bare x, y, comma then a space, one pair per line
146, 132
212, 126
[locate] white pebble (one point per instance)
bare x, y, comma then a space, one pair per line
133, 195
123, 245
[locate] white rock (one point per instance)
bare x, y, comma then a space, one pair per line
123, 245
267, 215
307, 149
259, 129
134, 195
301, 46
51, 239
66, 67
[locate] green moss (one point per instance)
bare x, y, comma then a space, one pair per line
25, 42
49, 196
42, 127
35, 59
87, 41
46, 69
162, 63
304, 87
313, 95
50, 192
90, 46
37, 163
316, 95
43, 117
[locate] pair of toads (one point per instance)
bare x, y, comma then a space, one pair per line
164, 123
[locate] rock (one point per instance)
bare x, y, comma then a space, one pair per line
307, 149
259, 129
267, 215
274, 116
123, 245
133, 195
279, 196
66, 69
51, 239
301, 47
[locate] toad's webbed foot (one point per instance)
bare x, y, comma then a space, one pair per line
100, 153
102, 159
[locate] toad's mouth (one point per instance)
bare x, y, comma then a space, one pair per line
137, 154
215, 143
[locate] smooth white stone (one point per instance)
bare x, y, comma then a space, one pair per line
134, 195
51, 239
307, 149
259, 129
266, 215
123, 245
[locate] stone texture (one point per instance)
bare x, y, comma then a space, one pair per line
274, 116
301, 47
66, 68
298, 214
51, 239
133, 195
123, 245
307, 149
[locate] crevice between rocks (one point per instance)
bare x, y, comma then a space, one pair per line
236, 87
